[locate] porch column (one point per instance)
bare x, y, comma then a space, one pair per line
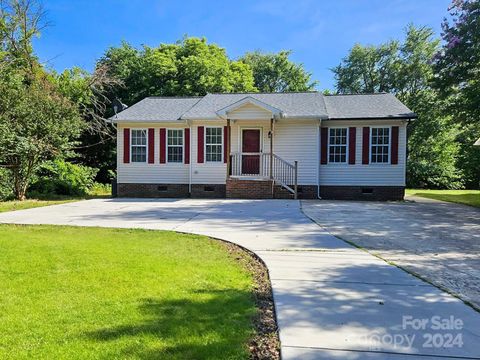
229, 146
271, 148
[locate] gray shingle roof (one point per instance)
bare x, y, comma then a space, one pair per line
157, 109
373, 106
292, 105
305, 104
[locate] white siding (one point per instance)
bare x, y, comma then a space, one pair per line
207, 172
250, 111
145, 173
293, 140
371, 174
298, 140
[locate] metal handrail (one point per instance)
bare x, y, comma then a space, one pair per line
258, 164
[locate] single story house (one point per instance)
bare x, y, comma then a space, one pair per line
264, 145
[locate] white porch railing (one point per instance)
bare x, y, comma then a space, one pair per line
264, 165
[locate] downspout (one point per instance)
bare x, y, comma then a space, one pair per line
318, 158
190, 162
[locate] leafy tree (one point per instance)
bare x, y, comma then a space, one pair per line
36, 124
187, 68
368, 69
277, 73
458, 67
405, 70
88, 92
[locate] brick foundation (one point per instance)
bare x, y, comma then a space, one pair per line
214, 191
260, 189
304, 192
248, 189
381, 193
153, 190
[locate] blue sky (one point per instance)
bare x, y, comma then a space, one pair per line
319, 32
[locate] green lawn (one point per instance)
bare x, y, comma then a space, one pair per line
467, 197
98, 191
93, 293
30, 203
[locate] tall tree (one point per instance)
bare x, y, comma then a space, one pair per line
36, 122
457, 66
275, 72
405, 69
189, 67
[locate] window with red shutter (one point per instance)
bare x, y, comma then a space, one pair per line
126, 145
163, 145
366, 145
352, 144
200, 144
323, 145
187, 145
151, 146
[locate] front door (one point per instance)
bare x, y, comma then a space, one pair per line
251, 146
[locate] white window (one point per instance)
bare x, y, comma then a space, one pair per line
175, 146
337, 145
213, 144
380, 146
138, 145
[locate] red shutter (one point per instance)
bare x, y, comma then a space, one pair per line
225, 143
324, 145
126, 146
366, 145
352, 143
394, 145
151, 146
200, 144
187, 145
163, 143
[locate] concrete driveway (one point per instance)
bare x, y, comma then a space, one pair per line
333, 301
436, 240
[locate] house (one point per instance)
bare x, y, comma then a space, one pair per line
264, 145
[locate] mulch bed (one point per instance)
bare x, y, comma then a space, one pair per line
265, 344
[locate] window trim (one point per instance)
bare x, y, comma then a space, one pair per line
370, 162
183, 147
347, 146
205, 145
146, 146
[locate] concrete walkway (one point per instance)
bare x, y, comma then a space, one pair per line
437, 240
333, 301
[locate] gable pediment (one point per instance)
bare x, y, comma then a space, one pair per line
249, 108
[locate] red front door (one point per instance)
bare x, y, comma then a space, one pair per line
251, 144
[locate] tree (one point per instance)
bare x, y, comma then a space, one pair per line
405, 70
457, 66
368, 69
276, 73
36, 124
88, 92
187, 68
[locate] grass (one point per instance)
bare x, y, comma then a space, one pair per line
466, 197
97, 191
93, 293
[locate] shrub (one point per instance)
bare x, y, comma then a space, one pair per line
63, 178
6, 186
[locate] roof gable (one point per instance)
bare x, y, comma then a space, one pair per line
243, 103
